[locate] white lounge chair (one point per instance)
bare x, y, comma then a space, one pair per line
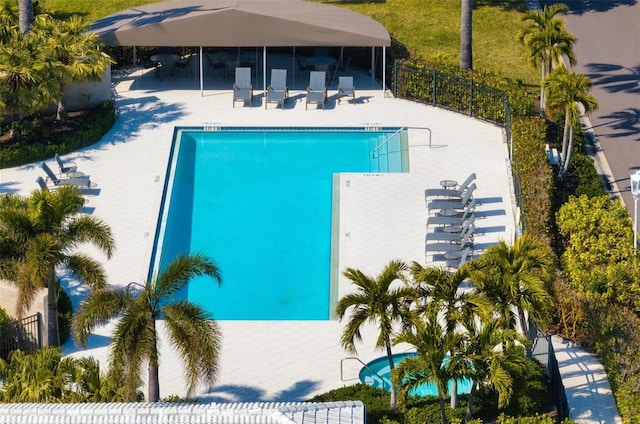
454, 203
346, 88
451, 192
65, 167
82, 182
242, 88
317, 90
277, 92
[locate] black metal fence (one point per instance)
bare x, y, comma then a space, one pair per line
25, 335
452, 92
542, 351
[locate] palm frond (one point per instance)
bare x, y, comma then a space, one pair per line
197, 338
97, 308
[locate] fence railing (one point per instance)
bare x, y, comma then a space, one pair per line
453, 92
25, 335
542, 351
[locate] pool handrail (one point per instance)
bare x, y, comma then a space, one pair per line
386, 140
373, 373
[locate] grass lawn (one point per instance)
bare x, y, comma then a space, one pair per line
429, 29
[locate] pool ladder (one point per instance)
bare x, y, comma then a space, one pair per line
373, 373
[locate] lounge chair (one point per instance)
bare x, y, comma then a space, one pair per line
242, 88
346, 88
457, 219
455, 237
451, 192
317, 90
455, 203
65, 167
455, 263
82, 182
277, 92
447, 248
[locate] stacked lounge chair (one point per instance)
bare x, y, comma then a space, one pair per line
451, 226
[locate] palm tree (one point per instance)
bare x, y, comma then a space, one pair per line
73, 51
45, 376
548, 41
569, 92
191, 329
432, 344
516, 278
24, 70
492, 355
441, 290
466, 32
375, 300
41, 233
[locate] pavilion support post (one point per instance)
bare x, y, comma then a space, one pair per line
201, 74
373, 64
264, 72
384, 68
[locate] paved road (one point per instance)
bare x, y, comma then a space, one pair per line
608, 51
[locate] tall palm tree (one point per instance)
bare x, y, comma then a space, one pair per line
376, 300
569, 92
441, 290
492, 355
432, 344
516, 279
466, 32
73, 51
191, 329
42, 233
548, 41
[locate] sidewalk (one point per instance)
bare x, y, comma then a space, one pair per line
586, 385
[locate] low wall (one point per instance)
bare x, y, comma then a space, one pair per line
9, 298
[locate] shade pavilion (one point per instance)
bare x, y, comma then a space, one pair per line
242, 23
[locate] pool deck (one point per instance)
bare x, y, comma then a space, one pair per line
382, 217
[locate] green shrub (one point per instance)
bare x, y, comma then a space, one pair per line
589, 182
98, 122
535, 175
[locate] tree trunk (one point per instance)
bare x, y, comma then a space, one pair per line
466, 42
565, 141
154, 380
470, 401
392, 389
569, 150
25, 16
543, 92
454, 393
443, 412
61, 110
525, 330
53, 335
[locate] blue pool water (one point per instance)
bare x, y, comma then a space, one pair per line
259, 203
376, 373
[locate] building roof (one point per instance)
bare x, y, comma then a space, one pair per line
240, 23
205, 413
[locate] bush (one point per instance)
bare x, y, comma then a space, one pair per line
98, 122
534, 173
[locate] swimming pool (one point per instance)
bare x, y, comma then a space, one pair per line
377, 374
258, 201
